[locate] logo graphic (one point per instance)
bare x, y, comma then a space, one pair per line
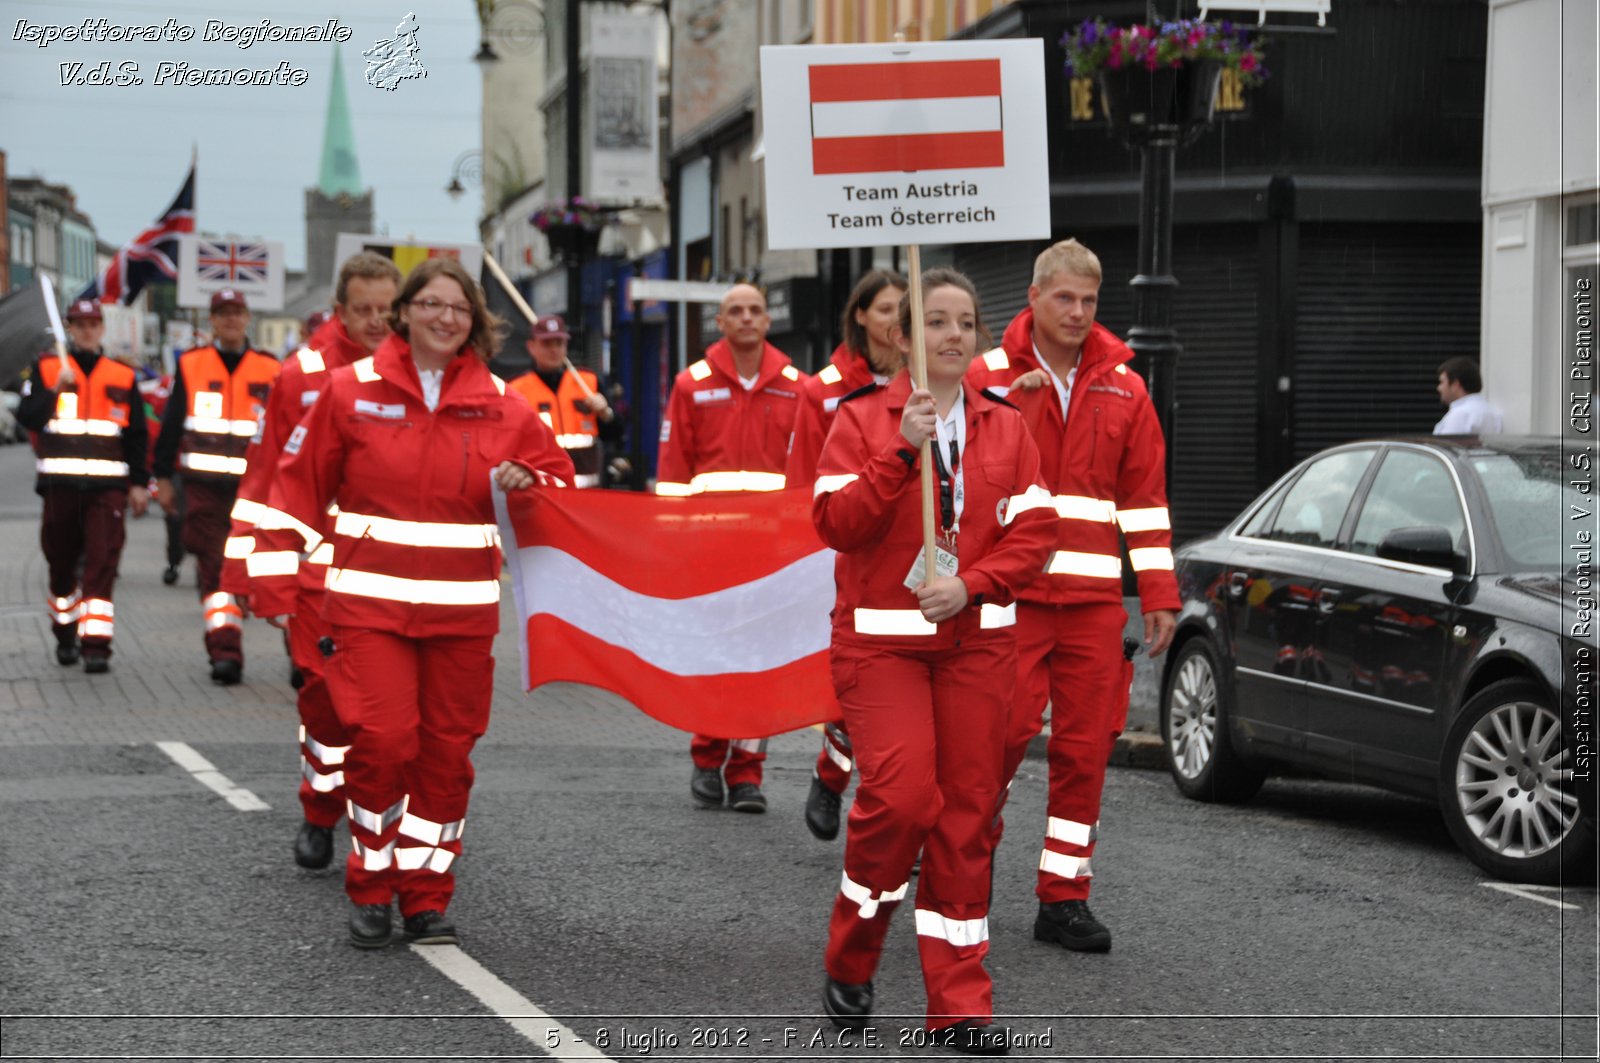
393, 61
231, 263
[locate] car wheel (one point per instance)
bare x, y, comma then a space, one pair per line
1506, 787
1194, 729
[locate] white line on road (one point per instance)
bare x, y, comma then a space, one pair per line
518, 1011
206, 774
1528, 893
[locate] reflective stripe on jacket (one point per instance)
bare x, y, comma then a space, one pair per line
1105, 468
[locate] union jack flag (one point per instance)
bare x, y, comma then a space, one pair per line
231, 263
149, 258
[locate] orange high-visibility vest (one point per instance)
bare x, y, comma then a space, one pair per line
83, 440
576, 429
224, 410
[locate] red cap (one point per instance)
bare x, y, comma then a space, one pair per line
317, 319
551, 326
85, 308
228, 297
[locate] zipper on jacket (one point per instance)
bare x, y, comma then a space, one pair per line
466, 460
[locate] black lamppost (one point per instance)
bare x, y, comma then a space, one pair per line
1156, 112
574, 96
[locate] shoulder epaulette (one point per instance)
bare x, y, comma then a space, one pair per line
996, 359
700, 370
1001, 399
830, 375
791, 373
866, 389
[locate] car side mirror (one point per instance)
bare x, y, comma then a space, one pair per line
1431, 546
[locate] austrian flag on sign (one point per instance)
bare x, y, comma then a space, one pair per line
905, 117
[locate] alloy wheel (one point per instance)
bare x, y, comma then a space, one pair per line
1513, 779
1192, 721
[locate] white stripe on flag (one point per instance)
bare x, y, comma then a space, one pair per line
752, 627
873, 118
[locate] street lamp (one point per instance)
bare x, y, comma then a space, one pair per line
468, 165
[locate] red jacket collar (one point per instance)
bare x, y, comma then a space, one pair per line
720, 357
1101, 353
466, 379
335, 345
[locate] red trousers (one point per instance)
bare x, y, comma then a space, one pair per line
1070, 656
412, 710
323, 740
206, 519
835, 761
83, 526
744, 757
929, 735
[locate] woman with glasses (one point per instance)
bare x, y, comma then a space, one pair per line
405, 445
923, 663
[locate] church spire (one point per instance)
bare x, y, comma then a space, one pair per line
341, 173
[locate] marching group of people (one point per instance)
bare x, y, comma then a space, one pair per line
345, 496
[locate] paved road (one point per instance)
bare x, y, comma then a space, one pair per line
147, 916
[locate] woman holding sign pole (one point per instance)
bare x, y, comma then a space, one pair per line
923, 664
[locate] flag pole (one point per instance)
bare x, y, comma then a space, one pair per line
55, 320
919, 378
527, 312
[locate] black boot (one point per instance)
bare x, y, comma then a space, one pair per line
1071, 925
822, 811
370, 926
226, 673
430, 928
706, 786
849, 1006
313, 846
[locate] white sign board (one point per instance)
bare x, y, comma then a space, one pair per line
884, 144
645, 289
624, 161
408, 252
208, 264
122, 339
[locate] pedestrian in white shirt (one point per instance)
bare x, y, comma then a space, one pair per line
1460, 389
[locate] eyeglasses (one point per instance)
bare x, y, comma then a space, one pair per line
437, 307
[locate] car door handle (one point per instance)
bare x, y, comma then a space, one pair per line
1237, 582
1327, 600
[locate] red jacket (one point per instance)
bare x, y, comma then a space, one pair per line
719, 437
868, 507
301, 380
845, 372
415, 550
1105, 464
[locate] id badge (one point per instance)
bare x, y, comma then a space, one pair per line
944, 562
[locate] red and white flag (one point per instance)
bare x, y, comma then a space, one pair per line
709, 613
899, 117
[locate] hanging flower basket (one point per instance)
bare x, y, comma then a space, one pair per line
572, 228
572, 243
1138, 101
1161, 76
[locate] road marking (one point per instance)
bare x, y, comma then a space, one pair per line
1528, 893
206, 774
520, 1013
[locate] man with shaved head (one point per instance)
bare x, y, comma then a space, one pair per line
727, 429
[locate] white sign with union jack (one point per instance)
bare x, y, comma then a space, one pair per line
870, 145
209, 263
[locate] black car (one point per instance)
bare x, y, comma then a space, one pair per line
1391, 612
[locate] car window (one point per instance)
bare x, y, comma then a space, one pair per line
1257, 524
1316, 503
1411, 490
1530, 499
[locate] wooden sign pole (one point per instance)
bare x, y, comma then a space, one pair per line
527, 312
919, 378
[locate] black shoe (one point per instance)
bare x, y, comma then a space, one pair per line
849, 1006
226, 673
430, 928
706, 785
370, 926
822, 811
1071, 925
313, 846
169, 575
974, 1038
297, 678
747, 797
66, 653
96, 663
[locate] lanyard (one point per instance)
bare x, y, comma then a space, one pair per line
947, 497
